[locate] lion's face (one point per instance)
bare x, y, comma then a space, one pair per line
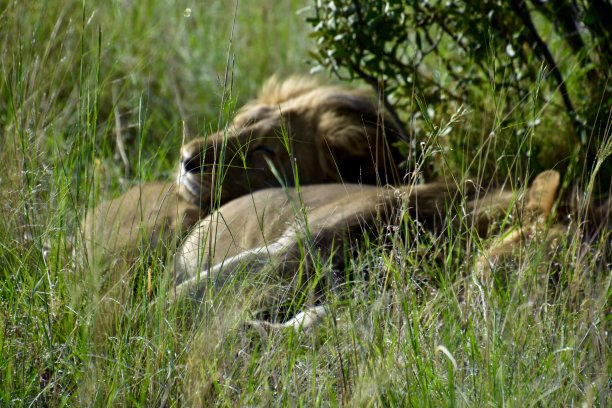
247, 155
295, 131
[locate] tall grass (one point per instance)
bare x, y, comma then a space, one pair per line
95, 98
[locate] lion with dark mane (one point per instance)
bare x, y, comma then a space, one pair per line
295, 132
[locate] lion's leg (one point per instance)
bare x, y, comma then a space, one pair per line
538, 206
331, 224
291, 259
301, 321
253, 260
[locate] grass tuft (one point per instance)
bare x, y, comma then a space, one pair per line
97, 98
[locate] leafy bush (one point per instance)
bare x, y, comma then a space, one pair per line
541, 57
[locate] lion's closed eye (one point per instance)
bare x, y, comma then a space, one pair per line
261, 150
193, 165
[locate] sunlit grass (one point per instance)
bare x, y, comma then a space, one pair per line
416, 327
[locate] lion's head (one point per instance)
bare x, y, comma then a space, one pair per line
295, 131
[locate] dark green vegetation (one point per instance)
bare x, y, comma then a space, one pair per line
95, 98
521, 65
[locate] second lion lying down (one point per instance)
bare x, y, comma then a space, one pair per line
286, 229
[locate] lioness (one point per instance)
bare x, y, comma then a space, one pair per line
281, 229
279, 226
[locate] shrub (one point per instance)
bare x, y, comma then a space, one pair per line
537, 58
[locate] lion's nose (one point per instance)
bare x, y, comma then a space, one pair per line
191, 163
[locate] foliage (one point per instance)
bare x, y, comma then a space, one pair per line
442, 51
81, 84
417, 327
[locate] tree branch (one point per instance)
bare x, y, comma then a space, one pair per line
520, 9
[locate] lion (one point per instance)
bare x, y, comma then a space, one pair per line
295, 132
281, 231
286, 227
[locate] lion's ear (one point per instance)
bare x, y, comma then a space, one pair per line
543, 192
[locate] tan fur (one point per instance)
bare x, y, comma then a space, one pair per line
332, 134
540, 200
295, 130
144, 224
280, 229
150, 218
539, 224
276, 224
274, 91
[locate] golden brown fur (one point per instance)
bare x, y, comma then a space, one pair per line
538, 206
333, 133
542, 225
300, 131
146, 223
277, 224
148, 219
280, 230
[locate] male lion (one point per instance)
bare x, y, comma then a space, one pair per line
284, 227
295, 130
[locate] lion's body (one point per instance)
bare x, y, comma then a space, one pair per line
281, 232
281, 225
150, 217
126, 234
253, 221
